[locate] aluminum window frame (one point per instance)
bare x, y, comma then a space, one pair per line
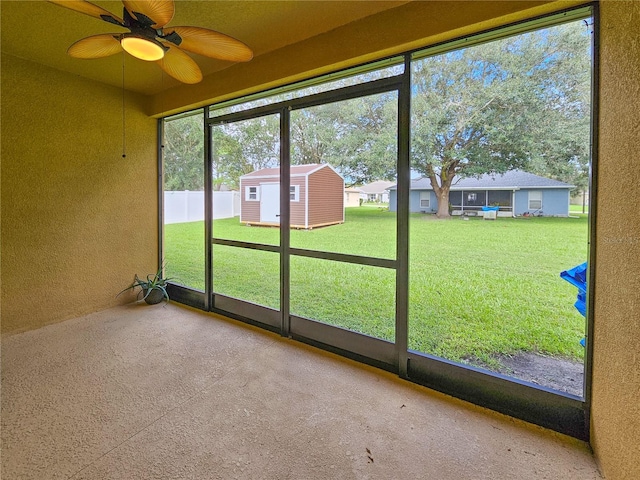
249, 193
295, 191
425, 196
551, 409
530, 199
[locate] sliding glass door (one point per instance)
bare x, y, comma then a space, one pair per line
245, 252
343, 239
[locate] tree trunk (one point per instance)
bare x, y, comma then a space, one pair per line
443, 202
441, 188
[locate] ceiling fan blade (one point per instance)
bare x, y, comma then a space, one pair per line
211, 43
180, 65
96, 46
90, 9
159, 11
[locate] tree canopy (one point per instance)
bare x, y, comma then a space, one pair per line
184, 153
243, 147
518, 102
358, 137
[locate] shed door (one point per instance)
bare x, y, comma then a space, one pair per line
270, 202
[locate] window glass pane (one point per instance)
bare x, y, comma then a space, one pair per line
425, 199
535, 200
535, 195
514, 112
246, 165
183, 184
356, 297
245, 274
294, 194
344, 157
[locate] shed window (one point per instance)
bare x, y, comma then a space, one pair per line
252, 194
294, 193
425, 201
535, 200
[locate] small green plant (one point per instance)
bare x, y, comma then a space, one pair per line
153, 289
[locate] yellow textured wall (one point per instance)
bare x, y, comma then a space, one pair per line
615, 434
78, 220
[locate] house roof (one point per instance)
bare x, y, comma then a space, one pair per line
296, 171
511, 180
378, 186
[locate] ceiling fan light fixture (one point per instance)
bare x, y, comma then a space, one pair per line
149, 38
142, 48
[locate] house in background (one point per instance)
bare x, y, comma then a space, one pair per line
516, 192
352, 197
377, 191
316, 194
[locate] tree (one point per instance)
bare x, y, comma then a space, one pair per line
520, 102
226, 155
184, 153
237, 149
357, 136
242, 147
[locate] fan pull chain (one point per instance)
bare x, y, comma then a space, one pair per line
124, 134
162, 106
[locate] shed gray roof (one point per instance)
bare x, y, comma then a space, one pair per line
511, 180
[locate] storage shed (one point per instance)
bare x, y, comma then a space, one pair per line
316, 195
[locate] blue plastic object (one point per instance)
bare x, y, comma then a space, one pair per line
577, 276
490, 209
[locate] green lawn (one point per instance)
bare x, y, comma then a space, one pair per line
478, 288
573, 209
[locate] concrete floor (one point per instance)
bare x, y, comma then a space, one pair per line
166, 392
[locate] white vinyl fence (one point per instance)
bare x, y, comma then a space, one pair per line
188, 206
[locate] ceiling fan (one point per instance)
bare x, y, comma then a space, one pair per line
150, 39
